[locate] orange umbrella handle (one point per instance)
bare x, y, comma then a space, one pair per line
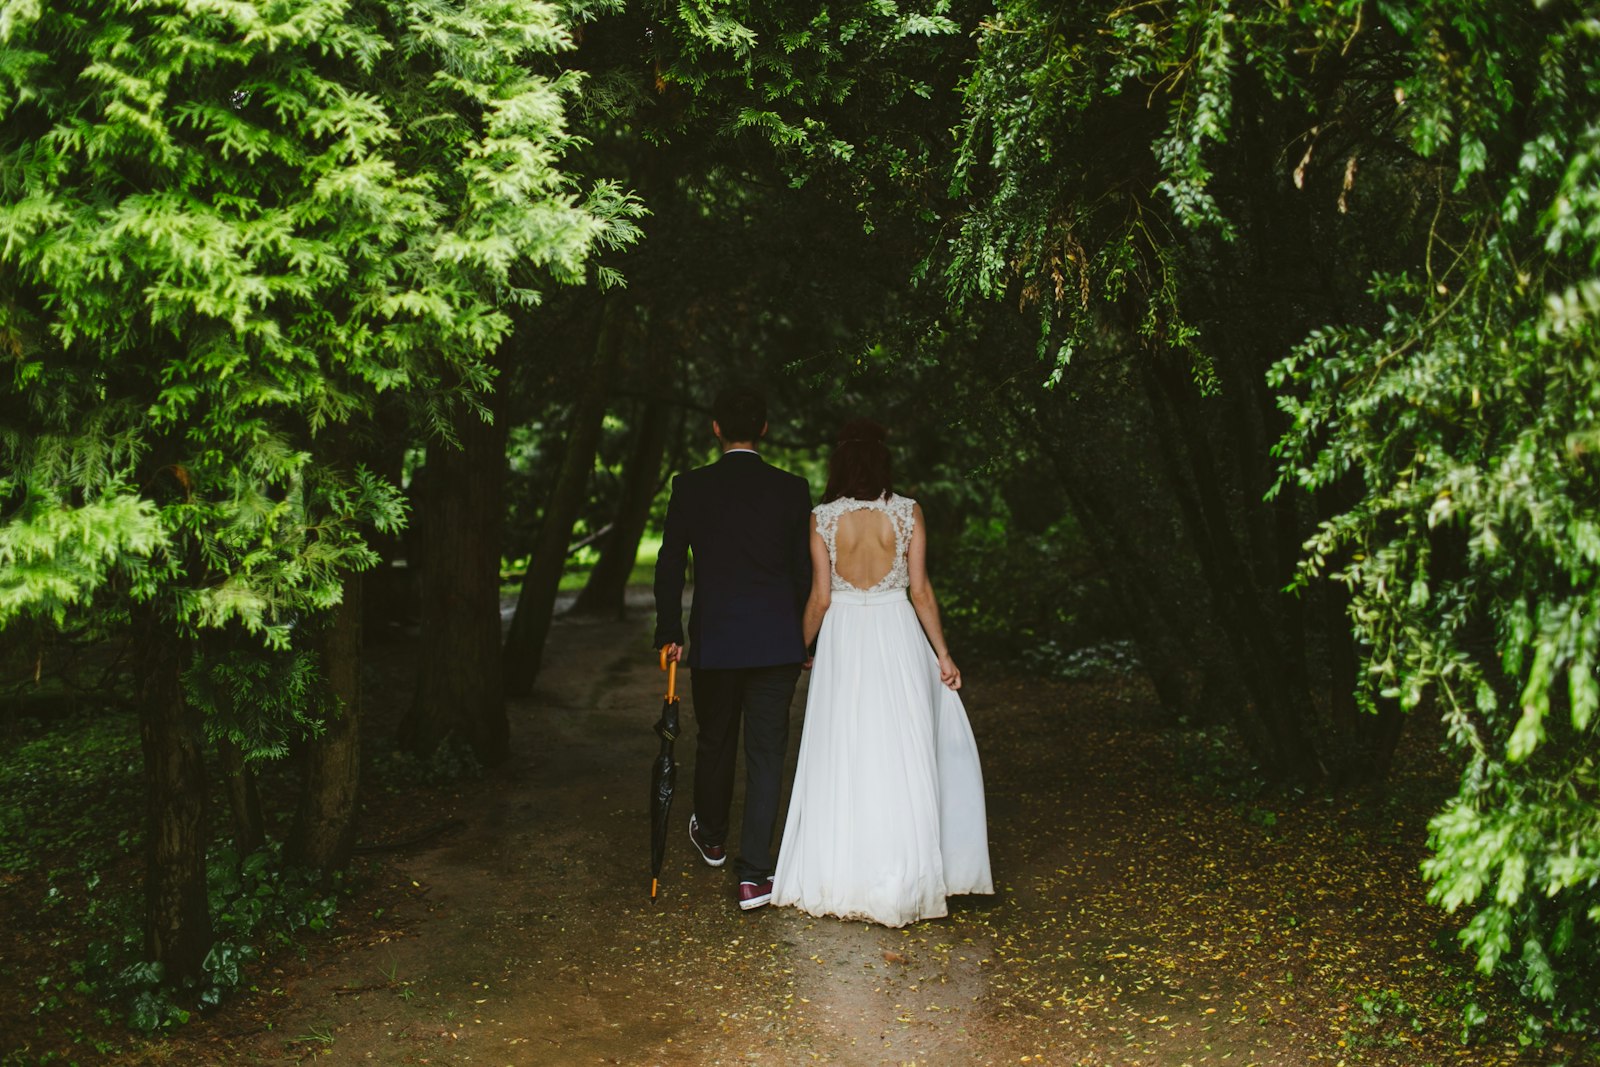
671, 667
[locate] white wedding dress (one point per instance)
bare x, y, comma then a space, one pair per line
886, 818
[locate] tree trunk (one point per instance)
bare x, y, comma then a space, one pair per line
1270, 675
244, 801
1130, 496
324, 830
1379, 737
606, 591
1160, 655
460, 690
177, 927
530, 626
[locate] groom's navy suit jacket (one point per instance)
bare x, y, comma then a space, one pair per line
748, 526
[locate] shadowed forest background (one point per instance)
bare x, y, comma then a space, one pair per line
1247, 351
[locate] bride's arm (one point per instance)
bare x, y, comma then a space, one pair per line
821, 586
925, 603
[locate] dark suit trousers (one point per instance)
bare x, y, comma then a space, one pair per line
760, 696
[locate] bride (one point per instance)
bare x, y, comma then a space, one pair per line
886, 818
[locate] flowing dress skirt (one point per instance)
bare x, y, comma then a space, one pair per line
886, 817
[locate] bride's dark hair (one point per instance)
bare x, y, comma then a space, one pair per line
859, 467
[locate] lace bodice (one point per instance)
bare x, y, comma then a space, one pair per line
899, 510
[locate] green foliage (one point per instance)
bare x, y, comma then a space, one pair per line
259, 701
68, 803
1058, 103
452, 761
1385, 1020
53, 559
256, 902
1468, 415
798, 68
1013, 594
1116, 157
223, 232
841, 86
61, 789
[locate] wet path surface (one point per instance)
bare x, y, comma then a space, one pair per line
1135, 922
532, 938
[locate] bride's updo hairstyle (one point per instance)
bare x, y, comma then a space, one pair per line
859, 467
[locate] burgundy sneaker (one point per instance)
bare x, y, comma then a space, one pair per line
714, 855
754, 894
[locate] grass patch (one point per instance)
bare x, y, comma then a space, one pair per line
576, 573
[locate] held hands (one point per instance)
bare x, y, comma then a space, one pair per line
949, 674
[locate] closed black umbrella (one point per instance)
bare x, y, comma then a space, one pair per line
663, 774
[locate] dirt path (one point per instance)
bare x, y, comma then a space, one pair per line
1135, 923
531, 938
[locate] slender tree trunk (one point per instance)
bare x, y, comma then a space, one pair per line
1276, 531
530, 626
1379, 736
1271, 679
1160, 656
1342, 662
244, 801
606, 591
177, 928
324, 830
1352, 727
459, 685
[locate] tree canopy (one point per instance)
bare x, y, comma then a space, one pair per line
1282, 314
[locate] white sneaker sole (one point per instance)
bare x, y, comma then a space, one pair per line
708, 860
755, 902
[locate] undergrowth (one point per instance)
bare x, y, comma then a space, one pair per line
70, 804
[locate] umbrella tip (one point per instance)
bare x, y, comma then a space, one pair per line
655, 884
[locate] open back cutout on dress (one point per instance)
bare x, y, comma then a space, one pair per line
843, 529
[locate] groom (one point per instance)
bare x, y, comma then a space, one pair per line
748, 526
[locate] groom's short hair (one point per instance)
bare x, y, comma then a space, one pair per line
741, 413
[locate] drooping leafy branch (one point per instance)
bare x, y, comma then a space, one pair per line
1469, 415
